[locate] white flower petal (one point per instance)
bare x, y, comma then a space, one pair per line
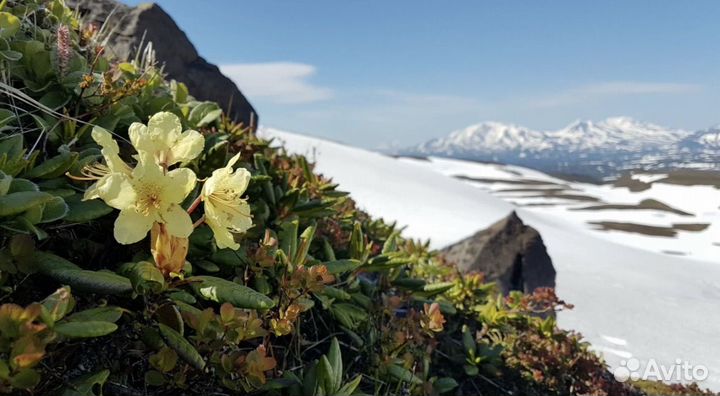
177, 221
223, 237
187, 147
165, 127
109, 149
137, 132
115, 189
179, 183
239, 180
131, 226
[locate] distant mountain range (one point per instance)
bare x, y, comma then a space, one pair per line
597, 150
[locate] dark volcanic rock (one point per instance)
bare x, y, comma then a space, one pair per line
509, 253
132, 28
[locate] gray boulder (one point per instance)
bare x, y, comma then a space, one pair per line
133, 27
509, 253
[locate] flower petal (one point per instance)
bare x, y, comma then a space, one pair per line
146, 170
239, 180
115, 189
214, 181
233, 160
188, 146
110, 150
137, 132
241, 220
131, 226
165, 128
179, 183
223, 237
177, 221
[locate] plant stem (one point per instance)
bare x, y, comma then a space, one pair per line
195, 204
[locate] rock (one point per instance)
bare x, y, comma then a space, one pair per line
509, 253
132, 28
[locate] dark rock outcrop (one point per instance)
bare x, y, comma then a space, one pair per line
132, 28
509, 253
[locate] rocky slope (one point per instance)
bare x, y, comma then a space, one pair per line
130, 29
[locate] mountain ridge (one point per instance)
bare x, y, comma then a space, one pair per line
603, 148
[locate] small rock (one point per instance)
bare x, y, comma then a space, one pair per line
509, 253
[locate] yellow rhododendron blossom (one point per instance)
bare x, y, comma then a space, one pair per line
226, 212
145, 196
164, 139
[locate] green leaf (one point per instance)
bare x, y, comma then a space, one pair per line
445, 384
349, 315
222, 291
338, 294
342, 266
145, 277
12, 56
204, 114
349, 388
310, 380
180, 345
409, 283
402, 374
334, 357
357, 243
103, 314
47, 262
25, 379
84, 211
83, 280
54, 210
55, 99
16, 203
19, 185
468, 342
85, 385
326, 376
304, 245
288, 237
390, 244
154, 378
87, 329
12, 146
57, 305
53, 167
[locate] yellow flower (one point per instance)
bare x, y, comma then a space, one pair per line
226, 212
145, 196
164, 139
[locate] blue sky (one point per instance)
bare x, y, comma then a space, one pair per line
372, 73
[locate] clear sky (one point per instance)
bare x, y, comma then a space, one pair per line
372, 73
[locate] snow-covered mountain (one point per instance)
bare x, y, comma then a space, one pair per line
488, 137
597, 149
631, 299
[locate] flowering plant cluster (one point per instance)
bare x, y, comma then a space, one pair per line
149, 195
